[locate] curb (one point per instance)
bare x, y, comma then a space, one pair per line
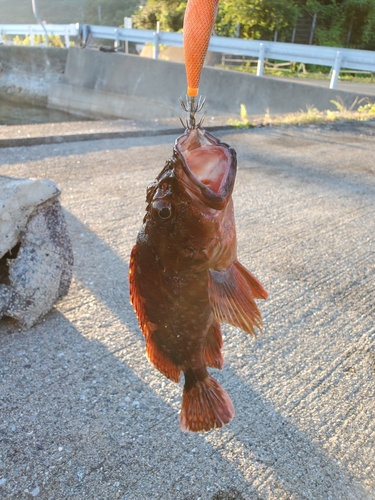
60, 139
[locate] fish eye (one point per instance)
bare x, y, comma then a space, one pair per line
162, 210
165, 213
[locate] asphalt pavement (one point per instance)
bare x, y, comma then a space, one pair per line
83, 413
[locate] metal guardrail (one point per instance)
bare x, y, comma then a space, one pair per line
64, 30
333, 57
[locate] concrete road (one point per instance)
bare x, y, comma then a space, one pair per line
84, 415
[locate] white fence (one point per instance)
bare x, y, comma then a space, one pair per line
336, 58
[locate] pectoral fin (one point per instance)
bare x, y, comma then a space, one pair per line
231, 295
257, 289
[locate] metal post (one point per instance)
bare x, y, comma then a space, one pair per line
67, 38
260, 65
349, 32
117, 40
275, 36
128, 24
294, 34
295, 29
312, 30
31, 37
336, 70
156, 41
36, 15
99, 13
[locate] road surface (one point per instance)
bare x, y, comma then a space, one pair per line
85, 416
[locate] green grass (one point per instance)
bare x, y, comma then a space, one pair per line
314, 75
360, 110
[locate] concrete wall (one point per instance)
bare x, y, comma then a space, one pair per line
103, 84
114, 84
128, 86
27, 72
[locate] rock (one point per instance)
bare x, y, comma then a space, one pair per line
35, 492
18, 200
36, 258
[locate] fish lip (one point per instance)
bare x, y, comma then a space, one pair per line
211, 198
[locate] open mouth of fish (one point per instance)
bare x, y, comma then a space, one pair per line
209, 165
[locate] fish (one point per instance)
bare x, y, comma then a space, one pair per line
185, 278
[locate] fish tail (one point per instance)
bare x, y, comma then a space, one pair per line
205, 404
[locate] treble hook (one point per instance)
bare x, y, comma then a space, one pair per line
191, 107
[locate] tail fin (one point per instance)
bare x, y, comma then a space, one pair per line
205, 406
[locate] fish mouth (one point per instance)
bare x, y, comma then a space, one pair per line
209, 165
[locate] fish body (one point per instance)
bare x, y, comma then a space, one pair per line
185, 277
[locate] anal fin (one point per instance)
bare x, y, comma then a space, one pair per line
232, 298
161, 362
212, 350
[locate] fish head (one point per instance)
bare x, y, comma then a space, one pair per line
189, 219
207, 167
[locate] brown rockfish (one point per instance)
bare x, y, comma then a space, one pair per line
185, 278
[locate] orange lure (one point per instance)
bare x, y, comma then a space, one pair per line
199, 21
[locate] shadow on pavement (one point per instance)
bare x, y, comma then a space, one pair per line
115, 423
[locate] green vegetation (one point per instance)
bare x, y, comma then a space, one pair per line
341, 23
244, 121
344, 23
170, 14
257, 19
357, 111
53, 40
310, 71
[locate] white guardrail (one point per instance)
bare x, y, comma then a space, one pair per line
336, 58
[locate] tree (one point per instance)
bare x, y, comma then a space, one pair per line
341, 23
170, 14
257, 18
344, 23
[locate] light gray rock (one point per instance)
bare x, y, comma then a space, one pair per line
36, 256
